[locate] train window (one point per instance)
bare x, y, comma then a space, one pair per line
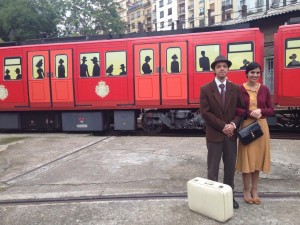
61, 66
292, 53
116, 64
12, 68
205, 54
146, 61
89, 66
173, 60
240, 54
38, 61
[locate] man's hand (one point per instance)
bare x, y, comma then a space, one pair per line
228, 130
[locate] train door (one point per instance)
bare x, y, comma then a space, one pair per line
161, 73
61, 78
174, 73
146, 71
50, 78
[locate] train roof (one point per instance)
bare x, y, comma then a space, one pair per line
84, 39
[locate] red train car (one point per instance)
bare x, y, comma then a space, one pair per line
287, 66
85, 86
287, 75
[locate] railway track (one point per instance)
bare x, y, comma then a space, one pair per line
131, 197
274, 133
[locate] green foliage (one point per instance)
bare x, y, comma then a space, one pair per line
27, 19
92, 17
30, 19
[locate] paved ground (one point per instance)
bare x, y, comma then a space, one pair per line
84, 179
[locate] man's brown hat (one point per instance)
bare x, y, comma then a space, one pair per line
221, 58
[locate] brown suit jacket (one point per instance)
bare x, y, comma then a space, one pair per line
212, 111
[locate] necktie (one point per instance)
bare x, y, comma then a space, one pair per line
222, 86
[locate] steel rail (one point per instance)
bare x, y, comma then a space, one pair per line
131, 197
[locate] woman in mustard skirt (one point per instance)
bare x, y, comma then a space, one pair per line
254, 157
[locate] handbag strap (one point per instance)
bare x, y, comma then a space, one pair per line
241, 120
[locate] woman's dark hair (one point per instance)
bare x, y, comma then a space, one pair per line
252, 66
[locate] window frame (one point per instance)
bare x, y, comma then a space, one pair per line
240, 43
285, 49
4, 66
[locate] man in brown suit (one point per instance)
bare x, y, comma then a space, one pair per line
218, 102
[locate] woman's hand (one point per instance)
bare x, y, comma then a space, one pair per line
256, 113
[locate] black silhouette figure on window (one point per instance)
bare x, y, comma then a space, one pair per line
146, 67
7, 76
204, 62
174, 64
96, 69
40, 71
61, 69
294, 62
109, 70
18, 72
84, 72
122, 67
245, 62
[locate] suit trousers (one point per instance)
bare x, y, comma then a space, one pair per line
227, 150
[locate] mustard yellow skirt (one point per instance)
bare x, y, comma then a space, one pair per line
256, 155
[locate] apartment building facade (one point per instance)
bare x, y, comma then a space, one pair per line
159, 15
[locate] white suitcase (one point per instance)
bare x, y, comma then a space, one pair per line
210, 198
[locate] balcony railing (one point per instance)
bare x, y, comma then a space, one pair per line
227, 7
148, 3
135, 6
191, 18
259, 3
181, 12
190, 7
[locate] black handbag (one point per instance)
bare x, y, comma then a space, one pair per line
250, 132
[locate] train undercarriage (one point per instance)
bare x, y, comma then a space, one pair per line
154, 121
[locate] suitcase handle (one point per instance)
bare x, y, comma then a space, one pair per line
209, 183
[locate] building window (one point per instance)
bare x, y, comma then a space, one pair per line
161, 14
205, 54
12, 68
169, 2
170, 11
201, 22
133, 25
201, 11
132, 16
259, 3
170, 22
116, 63
228, 16
211, 20
138, 14
240, 54
161, 24
269, 74
161, 3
